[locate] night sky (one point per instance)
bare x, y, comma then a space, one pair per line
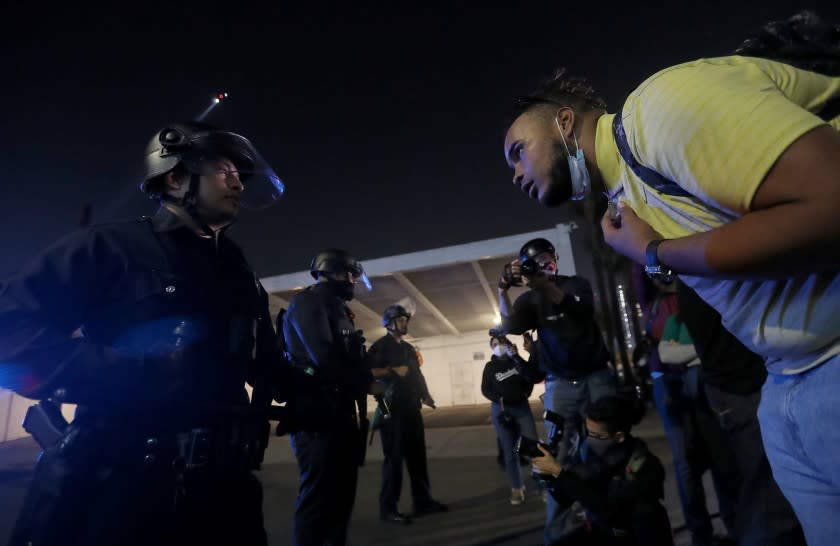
386, 122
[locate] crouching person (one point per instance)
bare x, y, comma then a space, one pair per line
613, 485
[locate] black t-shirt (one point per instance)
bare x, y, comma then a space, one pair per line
727, 363
570, 343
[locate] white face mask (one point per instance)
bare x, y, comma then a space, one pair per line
499, 351
577, 168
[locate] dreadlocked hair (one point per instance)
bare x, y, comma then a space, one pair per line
561, 89
803, 40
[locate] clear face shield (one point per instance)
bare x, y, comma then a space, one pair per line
262, 185
361, 277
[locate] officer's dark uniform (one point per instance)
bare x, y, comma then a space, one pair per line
168, 328
320, 336
402, 433
614, 499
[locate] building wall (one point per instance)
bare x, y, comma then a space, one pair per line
12, 410
453, 365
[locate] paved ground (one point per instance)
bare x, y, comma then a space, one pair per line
461, 448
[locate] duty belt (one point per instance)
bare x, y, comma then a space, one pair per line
222, 447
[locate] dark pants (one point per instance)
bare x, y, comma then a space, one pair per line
403, 439
328, 465
646, 524
697, 443
92, 499
763, 517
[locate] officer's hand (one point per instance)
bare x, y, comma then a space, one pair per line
429, 402
401, 371
545, 464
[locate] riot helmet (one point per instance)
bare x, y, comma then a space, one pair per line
392, 312
532, 249
336, 260
191, 143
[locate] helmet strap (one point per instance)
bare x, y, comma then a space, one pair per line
189, 204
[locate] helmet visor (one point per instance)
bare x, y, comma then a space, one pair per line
359, 272
262, 185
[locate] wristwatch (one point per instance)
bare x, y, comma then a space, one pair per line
653, 267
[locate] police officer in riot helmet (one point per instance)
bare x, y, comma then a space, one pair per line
394, 361
323, 342
570, 349
152, 328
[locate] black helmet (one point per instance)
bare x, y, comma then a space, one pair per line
392, 312
192, 142
534, 248
334, 260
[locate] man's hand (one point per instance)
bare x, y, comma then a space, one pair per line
510, 271
546, 464
527, 342
632, 237
401, 371
429, 402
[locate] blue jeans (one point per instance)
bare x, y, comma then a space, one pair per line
763, 516
525, 426
799, 417
569, 399
697, 443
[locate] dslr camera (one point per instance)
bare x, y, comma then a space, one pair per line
498, 331
527, 268
528, 447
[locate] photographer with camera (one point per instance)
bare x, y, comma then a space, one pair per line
612, 486
508, 391
570, 349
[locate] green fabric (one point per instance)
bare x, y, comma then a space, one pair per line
676, 331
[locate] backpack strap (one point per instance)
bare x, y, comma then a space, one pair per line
648, 176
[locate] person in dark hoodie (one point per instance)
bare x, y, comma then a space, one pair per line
508, 390
612, 485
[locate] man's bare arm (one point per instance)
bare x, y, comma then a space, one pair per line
792, 227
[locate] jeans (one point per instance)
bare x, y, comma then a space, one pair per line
697, 443
525, 426
799, 416
763, 516
569, 399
